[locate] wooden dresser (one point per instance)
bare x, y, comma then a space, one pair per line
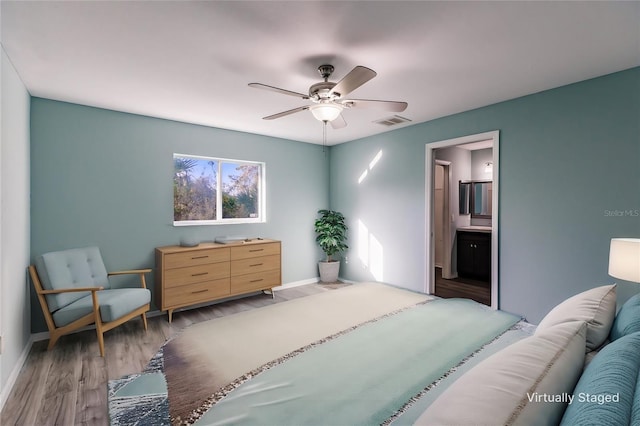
191, 275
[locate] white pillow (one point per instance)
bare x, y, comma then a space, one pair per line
510, 387
597, 307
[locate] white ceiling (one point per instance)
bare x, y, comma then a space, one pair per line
191, 61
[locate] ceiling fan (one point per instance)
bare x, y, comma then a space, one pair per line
329, 99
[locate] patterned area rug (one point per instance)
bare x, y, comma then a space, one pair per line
209, 359
140, 399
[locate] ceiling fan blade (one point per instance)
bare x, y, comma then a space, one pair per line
392, 106
350, 82
278, 90
339, 122
284, 113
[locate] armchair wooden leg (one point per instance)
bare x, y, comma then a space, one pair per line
144, 320
53, 338
98, 321
100, 335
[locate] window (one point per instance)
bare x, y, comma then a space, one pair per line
208, 191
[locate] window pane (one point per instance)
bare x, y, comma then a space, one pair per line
240, 189
194, 188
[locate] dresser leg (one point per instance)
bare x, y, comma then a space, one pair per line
170, 314
271, 292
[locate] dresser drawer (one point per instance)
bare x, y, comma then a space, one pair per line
195, 293
255, 282
253, 250
195, 274
255, 264
195, 257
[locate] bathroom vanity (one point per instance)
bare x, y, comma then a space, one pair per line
474, 252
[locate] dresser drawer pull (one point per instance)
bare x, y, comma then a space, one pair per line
256, 264
200, 291
254, 250
256, 281
199, 274
199, 257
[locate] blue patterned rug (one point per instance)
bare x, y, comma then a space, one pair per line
140, 399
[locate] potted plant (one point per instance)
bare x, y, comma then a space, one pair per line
331, 236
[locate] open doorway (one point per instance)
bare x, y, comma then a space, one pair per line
462, 238
441, 215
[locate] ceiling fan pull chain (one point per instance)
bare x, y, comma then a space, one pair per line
324, 136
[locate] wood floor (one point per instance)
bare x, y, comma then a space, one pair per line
68, 385
479, 291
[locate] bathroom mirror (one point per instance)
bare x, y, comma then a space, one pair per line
464, 197
481, 195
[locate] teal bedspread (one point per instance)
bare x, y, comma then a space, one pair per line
366, 375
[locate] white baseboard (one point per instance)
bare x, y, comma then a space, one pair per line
296, 284
44, 335
315, 280
11, 381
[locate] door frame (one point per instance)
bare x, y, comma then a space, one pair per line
429, 285
446, 215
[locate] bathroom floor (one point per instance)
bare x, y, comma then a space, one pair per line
479, 291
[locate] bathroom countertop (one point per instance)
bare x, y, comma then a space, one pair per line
475, 228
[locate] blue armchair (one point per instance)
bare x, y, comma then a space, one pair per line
74, 291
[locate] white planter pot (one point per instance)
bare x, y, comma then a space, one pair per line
329, 271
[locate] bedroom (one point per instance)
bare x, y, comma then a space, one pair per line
554, 195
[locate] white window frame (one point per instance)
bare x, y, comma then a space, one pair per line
262, 218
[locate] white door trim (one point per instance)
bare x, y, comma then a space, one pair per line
429, 285
446, 246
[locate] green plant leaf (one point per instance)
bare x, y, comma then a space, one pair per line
331, 232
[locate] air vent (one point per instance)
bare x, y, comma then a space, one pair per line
392, 121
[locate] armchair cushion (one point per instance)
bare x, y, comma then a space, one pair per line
114, 303
81, 267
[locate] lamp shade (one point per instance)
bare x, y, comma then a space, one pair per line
624, 259
325, 111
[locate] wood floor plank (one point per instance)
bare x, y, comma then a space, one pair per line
27, 396
61, 385
68, 385
58, 409
91, 391
463, 287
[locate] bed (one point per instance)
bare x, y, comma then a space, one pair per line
484, 367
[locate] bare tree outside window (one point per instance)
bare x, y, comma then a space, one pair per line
212, 190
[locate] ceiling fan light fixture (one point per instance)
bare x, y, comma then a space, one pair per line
326, 111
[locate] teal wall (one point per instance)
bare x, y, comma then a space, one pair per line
569, 157
100, 177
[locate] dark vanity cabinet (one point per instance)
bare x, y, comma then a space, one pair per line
474, 255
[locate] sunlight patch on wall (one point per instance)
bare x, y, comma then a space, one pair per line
370, 252
372, 164
363, 176
363, 243
375, 160
375, 258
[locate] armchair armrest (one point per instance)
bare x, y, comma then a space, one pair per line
131, 271
140, 272
71, 290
